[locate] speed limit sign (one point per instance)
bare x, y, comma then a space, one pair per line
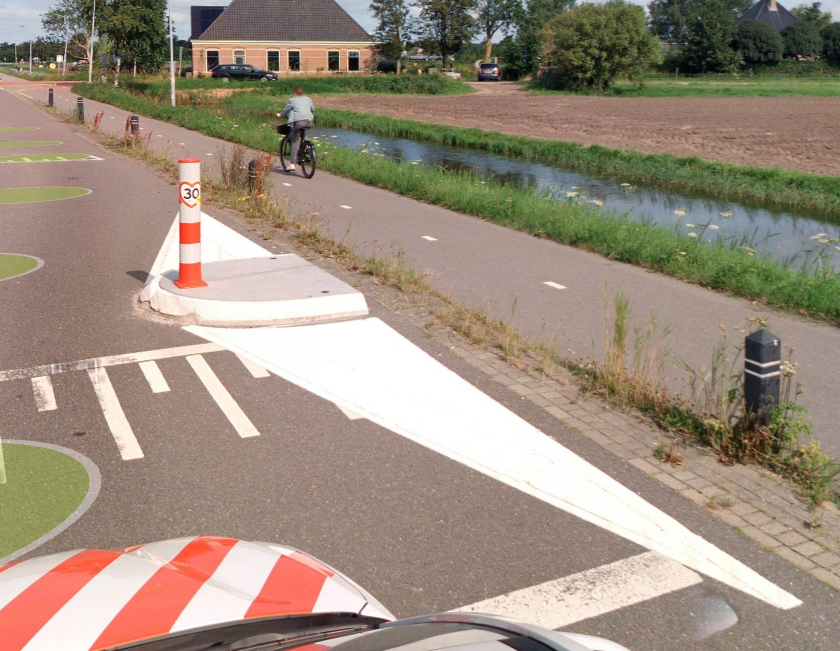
190, 193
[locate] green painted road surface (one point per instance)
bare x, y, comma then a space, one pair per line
43, 487
18, 129
12, 265
42, 158
34, 195
30, 143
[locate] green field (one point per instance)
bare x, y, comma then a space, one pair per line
36, 195
12, 265
43, 488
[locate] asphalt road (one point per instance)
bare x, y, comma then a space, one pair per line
485, 265
420, 531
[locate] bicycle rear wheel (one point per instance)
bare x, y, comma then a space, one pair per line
285, 152
308, 159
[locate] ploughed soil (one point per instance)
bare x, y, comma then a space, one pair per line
798, 133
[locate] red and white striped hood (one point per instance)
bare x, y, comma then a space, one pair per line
93, 599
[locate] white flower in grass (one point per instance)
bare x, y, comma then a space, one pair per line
597, 202
726, 214
625, 185
818, 236
680, 252
788, 369
571, 194
680, 212
689, 225
714, 228
692, 234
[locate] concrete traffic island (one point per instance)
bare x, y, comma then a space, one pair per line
276, 290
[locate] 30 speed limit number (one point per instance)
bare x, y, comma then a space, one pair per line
190, 194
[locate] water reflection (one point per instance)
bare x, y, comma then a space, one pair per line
782, 234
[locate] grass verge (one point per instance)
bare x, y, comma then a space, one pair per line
721, 266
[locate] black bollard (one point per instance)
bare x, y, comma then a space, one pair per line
252, 176
135, 125
80, 104
50, 98
762, 374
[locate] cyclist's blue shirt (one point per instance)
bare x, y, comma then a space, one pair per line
299, 108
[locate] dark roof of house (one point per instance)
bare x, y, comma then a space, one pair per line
201, 18
285, 20
761, 10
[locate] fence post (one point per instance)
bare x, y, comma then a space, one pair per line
677, 73
135, 125
2, 465
50, 98
252, 176
189, 216
762, 374
80, 109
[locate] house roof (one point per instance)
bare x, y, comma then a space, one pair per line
285, 20
201, 18
769, 12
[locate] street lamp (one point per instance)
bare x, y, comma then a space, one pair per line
30, 48
90, 43
171, 57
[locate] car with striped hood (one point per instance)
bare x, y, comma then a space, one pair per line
194, 594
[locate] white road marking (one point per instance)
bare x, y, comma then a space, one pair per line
555, 285
368, 368
430, 238
154, 377
288, 185
241, 423
254, 369
573, 598
346, 207
114, 415
209, 154
42, 388
181, 143
351, 415
112, 360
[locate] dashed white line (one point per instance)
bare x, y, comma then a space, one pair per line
42, 389
555, 285
114, 415
154, 377
253, 368
288, 185
241, 423
429, 237
346, 207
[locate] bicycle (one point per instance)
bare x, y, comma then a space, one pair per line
307, 158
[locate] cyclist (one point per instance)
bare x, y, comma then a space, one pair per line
300, 112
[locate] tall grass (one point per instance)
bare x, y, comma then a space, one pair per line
720, 266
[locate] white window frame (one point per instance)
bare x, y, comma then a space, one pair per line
207, 58
359, 52
328, 60
244, 58
279, 60
300, 61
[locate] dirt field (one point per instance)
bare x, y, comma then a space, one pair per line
799, 133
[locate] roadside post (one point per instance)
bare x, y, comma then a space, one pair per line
189, 216
252, 176
2, 465
134, 122
80, 108
50, 98
762, 374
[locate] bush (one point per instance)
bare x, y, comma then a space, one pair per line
590, 45
758, 42
802, 39
831, 42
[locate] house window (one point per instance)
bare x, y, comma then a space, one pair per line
353, 61
333, 60
274, 60
239, 57
294, 60
212, 59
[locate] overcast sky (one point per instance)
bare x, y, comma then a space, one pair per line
14, 13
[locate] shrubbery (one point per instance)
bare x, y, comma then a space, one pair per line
831, 42
802, 39
758, 42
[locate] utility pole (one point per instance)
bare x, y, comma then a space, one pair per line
171, 56
90, 43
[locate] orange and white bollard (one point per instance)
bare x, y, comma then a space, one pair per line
189, 216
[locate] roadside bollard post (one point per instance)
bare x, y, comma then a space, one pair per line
762, 374
189, 216
135, 125
50, 98
252, 176
2, 465
80, 108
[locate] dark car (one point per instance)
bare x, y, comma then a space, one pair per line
241, 72
489, 72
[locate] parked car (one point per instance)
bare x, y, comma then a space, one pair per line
197, 594
489, 72
452, 73
241, 72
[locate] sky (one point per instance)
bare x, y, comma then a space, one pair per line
15, 13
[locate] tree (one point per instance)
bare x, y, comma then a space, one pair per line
668, 20
758, 42
72, 20
812, 13
495, 15
709, 26
831, 42
445, 25
395, 27
802, 39
521, 53
138, 30
591, 45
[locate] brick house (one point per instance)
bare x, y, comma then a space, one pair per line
287, 36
